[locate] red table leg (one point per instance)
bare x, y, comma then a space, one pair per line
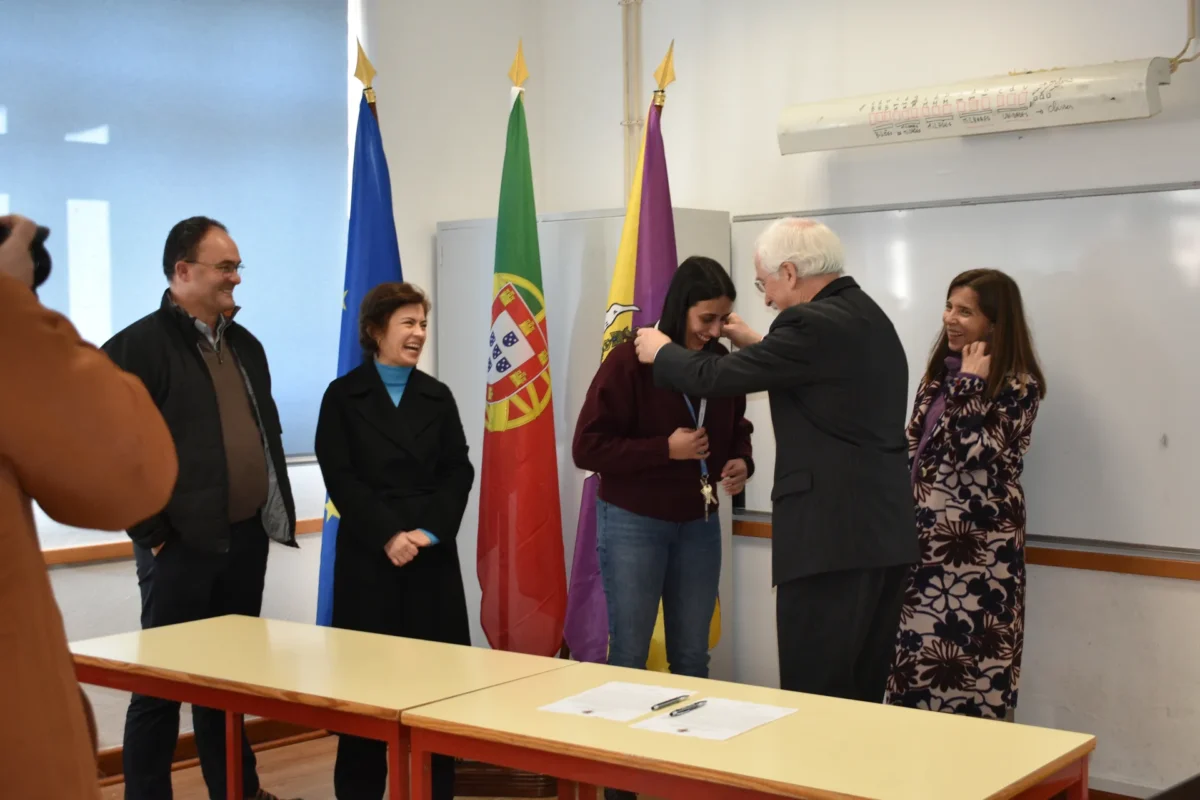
1080, 790
398, 777
422, 768
1071, 781
237, 702
566, 789
233, 756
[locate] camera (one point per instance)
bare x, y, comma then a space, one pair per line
37, 251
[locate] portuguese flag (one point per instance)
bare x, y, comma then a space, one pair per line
520, 548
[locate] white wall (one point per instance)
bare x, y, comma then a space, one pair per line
739, 64
583, 137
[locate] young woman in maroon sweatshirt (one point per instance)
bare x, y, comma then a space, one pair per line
657, 533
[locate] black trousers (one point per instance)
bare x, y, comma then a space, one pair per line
837, 631
422, 600
360, 772
183, 584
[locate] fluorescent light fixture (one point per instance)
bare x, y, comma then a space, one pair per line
3, 120
97, 135
1045, 99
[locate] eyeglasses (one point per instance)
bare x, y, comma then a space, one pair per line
224, 268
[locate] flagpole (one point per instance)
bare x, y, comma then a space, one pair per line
518, 73
633, 123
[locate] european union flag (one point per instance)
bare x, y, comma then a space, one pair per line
372, 258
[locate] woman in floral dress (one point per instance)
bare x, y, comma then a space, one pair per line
962, 625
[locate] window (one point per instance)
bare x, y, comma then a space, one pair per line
119, 118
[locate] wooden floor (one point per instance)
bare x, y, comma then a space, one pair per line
297, 771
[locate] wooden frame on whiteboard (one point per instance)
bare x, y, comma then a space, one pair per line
1050, 556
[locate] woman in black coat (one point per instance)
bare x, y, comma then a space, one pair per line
393, 455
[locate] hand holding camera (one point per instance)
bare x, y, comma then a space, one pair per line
23, 251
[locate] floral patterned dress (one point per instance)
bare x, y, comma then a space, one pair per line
962, 624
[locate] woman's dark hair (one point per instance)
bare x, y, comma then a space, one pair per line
379, 305
1010, 345
697, 279
183, 240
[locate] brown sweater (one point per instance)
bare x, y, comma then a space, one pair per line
244, 454
85, 440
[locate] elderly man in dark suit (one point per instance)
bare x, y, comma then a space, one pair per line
844, 529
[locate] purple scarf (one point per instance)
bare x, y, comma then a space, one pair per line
936, 409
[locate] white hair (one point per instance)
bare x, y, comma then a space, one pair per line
806, 244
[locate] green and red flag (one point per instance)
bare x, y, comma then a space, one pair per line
520, 549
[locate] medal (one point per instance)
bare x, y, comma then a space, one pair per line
706, 489
710, 497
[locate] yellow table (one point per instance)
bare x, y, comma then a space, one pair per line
829, 749
344, 681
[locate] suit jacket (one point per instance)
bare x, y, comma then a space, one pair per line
389, 469
837, 379
85, 441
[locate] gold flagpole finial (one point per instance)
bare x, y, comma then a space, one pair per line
365, 73
518, 73
665, 75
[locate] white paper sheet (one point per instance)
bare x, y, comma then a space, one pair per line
717, 719
616, 700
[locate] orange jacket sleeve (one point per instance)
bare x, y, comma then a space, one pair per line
84, 438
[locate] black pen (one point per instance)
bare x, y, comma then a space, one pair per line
688, 708
671, 702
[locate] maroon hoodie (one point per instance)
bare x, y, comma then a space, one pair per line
622, 435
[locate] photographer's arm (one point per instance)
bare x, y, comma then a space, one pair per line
85, 439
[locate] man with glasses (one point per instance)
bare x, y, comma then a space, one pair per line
843, 527
205, 555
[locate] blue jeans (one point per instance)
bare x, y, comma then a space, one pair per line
643, 560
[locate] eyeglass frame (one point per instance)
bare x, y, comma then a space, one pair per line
227, 270
761, 285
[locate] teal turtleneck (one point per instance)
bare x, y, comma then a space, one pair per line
395, 379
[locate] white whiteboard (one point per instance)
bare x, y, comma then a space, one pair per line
1111, 284
578, 253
